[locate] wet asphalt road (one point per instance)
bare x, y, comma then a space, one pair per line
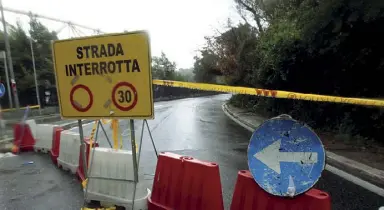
196, 127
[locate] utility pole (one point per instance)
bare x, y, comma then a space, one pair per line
9, 56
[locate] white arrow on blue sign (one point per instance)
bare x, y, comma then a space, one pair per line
285, 157
2, 90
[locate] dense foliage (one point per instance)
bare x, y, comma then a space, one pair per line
328, 47
164, 69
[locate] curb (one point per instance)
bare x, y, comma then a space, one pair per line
236, 119
44, 119
5, 145
362, 171
6, 140
48, 119
68, 126
365, 172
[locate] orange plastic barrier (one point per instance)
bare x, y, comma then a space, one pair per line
185, 183
79, 171
23, 137
55, 150
249, 196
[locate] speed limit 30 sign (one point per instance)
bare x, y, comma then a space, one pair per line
105, 76
127, 96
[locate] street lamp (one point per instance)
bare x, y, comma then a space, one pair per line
34, 74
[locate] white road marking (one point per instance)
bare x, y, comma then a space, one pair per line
371, 187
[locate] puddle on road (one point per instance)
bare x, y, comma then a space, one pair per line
7, 171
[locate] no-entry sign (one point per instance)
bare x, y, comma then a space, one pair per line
105, 76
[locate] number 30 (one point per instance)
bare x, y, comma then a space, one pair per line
124, 96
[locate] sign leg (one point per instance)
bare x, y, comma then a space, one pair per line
134, 159
83, 147
141, 143
105, 133
91, 154
92, 149
150, 135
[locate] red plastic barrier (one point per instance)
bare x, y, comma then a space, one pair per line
23, 137
166, 191
185, 183
79, 171
55, 150
249, 196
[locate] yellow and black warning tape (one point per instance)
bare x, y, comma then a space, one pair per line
271, 93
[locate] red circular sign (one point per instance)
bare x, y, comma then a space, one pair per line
74, 105
126, 94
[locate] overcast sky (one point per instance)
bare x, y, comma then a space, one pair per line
176, 27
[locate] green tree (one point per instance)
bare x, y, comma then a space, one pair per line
186, 74
163, 68
42, 39
205, 66
22, 57
256, 9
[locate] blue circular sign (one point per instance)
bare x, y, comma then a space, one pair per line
2, 90
285, 157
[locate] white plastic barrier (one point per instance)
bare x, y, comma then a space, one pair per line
111, 179
33, 126
44, 136
69, 151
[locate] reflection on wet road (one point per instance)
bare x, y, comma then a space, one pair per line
188, 124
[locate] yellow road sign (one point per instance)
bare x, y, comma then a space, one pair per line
105, 76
